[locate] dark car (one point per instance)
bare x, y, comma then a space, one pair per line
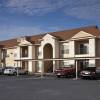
89, 72
97, 72
65, 72
2, 70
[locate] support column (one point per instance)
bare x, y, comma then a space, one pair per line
92, 47
42, 69
76, 70
30, 66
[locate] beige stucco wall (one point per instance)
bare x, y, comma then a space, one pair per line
92, 47
10, 57
71, 48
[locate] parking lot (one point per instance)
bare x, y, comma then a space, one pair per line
48, 88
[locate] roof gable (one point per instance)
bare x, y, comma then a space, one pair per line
48, 36
82, 34
23, 41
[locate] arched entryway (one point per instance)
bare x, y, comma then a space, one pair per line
48, 54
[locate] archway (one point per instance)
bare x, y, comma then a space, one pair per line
48, 53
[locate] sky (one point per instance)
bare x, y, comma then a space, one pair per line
30, 17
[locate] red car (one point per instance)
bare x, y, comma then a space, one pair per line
65, 71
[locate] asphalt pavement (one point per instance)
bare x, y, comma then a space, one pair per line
49, 88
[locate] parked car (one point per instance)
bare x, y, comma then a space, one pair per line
14, 71
21, 71
65, 71
2, 70
97, 72
89, 72
10, 71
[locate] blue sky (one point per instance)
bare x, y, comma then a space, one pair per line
29, 17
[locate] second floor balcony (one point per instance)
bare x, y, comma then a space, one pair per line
81, 47
24, 51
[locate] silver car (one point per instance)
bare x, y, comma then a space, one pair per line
15, 71
10, 71
21, 71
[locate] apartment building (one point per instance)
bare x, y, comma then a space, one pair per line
81, 44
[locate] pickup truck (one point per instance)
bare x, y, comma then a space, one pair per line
65, 72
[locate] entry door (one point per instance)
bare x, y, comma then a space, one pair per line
25, 65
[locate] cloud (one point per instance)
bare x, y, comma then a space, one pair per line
86, 12
84, 9
33, 7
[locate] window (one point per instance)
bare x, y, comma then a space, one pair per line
65, 49
24, 51
84, 48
